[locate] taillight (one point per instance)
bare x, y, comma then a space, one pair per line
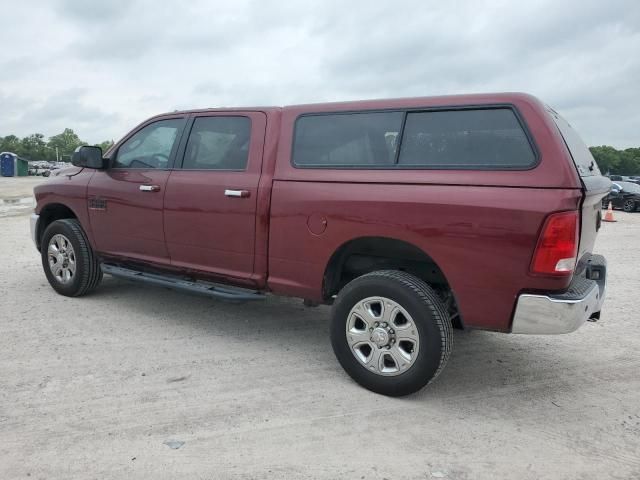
557, 246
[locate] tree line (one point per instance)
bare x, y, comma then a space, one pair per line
618, 162
35, 147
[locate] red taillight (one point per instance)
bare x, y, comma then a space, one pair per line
557, 246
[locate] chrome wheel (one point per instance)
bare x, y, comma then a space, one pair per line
62, 258
382, 336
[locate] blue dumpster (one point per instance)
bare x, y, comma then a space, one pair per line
7, 164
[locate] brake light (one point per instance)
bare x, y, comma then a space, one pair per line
557, 246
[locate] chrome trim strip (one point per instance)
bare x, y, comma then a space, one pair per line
546, 315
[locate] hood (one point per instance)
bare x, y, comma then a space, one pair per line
67, 171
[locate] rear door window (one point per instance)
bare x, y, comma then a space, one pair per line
218, 143
465, 139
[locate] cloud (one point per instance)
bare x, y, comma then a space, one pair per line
85, 12
54, 113
101, 67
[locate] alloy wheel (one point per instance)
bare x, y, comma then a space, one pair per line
382, 336
62, 259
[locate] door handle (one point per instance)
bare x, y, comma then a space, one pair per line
149, 188
237, 193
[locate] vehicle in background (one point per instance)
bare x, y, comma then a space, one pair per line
623, 195
409, 216
44, 168
624, 178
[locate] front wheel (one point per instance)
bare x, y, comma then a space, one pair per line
391, 332
68, 260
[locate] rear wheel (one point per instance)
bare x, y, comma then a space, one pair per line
68, 260
391, 332
629, 206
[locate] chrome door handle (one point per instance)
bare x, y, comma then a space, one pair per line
237, 193
149, 188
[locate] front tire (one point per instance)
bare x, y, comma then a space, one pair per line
391, 332
68, 260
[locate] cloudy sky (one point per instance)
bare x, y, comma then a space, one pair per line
102, 67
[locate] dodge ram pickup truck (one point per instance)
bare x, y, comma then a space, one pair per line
409, 216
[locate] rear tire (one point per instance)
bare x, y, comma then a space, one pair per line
68, 260
629, 206
397, 308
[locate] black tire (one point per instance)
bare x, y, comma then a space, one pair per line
629, 206
88, 273
428, 313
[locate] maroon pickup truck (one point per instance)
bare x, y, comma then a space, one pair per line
409, 216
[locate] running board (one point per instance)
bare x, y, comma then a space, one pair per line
216, 290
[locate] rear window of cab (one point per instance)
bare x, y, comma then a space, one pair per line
470, 138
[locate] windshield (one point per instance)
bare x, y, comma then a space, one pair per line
629, 187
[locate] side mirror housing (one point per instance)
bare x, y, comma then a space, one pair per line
90, 157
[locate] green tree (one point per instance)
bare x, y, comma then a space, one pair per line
34, 147
10, 143
619, 162
66, 142
106, 145
630, 161
607, 158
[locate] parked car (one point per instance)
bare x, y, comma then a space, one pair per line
45, 168
624, 195
409, 216
623, 178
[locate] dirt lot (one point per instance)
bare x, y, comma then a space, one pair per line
94, 387
16, 194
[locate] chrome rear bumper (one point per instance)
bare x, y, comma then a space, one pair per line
563, 313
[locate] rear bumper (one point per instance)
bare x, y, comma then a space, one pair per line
566, 312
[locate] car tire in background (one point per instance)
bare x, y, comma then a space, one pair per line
68, 259
629, 206
391, 332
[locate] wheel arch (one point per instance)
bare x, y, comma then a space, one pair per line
362, 255
49, 214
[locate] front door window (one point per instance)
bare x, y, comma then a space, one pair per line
150, 147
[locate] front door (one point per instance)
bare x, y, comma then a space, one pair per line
125, 201
210, 200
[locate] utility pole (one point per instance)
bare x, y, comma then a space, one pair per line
57, 157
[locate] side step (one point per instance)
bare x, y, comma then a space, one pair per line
217, 290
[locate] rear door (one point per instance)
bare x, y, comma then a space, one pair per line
210, 201
125, 201
595, 186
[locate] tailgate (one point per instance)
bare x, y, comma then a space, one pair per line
594, 186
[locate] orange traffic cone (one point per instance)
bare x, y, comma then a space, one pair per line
608, 217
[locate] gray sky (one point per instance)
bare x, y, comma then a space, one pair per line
102, 67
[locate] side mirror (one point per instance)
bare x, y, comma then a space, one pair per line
87, 156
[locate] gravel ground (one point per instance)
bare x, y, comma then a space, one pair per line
16, 194
94, 387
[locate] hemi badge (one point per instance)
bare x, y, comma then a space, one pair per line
97, 204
